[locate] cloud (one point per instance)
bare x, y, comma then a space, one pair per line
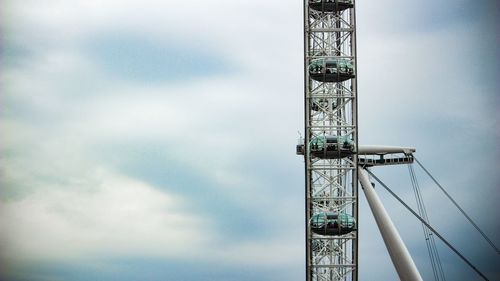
84, 116
86, 125
116, 216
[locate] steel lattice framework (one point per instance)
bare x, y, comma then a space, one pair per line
330, 110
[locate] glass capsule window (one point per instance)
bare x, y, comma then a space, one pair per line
330, 66
318, 143
330, 1
318, 220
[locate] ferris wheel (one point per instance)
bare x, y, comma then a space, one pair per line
335, 162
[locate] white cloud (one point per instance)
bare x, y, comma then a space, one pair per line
254, 111
267, 253
118, 216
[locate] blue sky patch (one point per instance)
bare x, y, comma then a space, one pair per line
125, 269
141, 59
151, 163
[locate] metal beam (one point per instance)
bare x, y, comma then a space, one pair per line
405, 267
384, 149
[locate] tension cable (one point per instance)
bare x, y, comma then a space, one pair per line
429, 227
459, 208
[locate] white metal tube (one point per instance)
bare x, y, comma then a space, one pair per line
384, 149
405, 267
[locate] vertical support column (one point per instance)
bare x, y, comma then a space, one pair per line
354, 109
307, 154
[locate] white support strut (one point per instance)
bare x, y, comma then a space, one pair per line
384, 149
405, 267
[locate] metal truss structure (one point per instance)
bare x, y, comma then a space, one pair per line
330, 110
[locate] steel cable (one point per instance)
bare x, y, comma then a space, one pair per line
437, 267
428, 226
459, 208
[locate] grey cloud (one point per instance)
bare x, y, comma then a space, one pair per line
249, 121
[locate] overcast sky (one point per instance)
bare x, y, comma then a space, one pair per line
155, 140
